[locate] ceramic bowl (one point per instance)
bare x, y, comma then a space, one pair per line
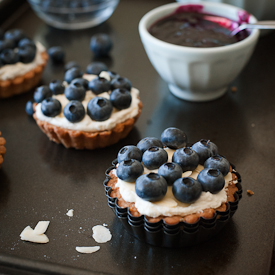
262, 10
198, 74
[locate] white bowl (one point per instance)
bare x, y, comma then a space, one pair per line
261, 9
197, 74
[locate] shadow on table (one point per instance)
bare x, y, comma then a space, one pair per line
4, 187
222, 121
79, 164
205, 258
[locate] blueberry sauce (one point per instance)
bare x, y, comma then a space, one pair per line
189, 26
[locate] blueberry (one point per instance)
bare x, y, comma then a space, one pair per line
121, 83
26, 54
75, 91
85, 3
186, 190
99, 85
47, 4
151, 187
148, 142
170, 171
74, 111
212, 180
15, 35
29, 108
9, 56
70, 65
72, 73
203, 149
74, 4
42, 93
129, 170
26, 42
174, 138
96, 68
57, 54
57, 87
218, 162
154, 157
81, 81
50, 107
6, 44
101, 44
187, 158
129, 152
99, 108
121, 98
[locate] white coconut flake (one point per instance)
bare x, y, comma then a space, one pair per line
87, 249
101, 234
41, 227
28, 235
70, 213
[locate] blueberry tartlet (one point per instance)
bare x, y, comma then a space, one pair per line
2, 149
22, 62
169, 193
86, 111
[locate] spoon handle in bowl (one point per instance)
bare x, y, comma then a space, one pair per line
257, 25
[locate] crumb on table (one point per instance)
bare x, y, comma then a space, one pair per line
234, 89
249, 192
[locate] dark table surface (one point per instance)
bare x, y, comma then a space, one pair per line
41, 180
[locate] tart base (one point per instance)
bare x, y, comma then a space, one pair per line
2, 149
87, 140
23, 83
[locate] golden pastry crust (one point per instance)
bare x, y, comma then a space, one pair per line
2, 149
87, 140
191, 218
23, 83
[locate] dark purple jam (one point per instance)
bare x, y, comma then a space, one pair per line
195, 29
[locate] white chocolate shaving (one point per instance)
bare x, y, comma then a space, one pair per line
101, 234
28, 235
87, 249
70, 213
41, 227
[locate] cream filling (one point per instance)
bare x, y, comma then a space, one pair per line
87, 124
13, 70
169, 205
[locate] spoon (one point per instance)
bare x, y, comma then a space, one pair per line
257, 25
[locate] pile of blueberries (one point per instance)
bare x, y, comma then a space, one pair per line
98, 108
150, 151
15, 47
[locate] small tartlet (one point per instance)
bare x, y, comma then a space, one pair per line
89, 133
169, 222
2, 149
23, 83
